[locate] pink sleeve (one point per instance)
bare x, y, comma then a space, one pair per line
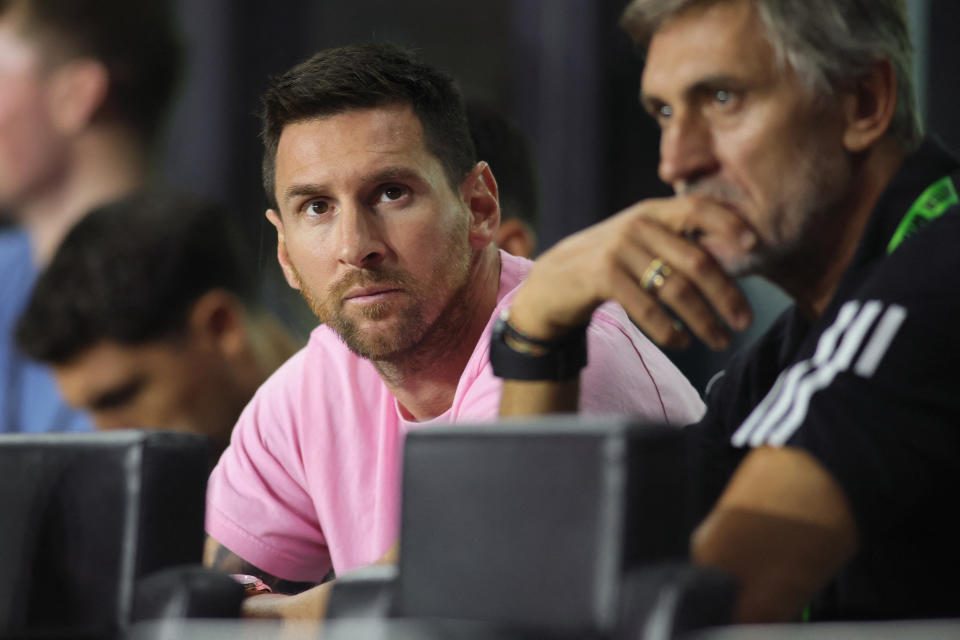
257, 504
626, 374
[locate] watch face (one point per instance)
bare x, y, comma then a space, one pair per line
252, 585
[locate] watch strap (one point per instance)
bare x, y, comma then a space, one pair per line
516, 356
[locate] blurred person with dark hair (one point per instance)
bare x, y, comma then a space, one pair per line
501, 144
385, 223
149, 316
826, 465
84, 87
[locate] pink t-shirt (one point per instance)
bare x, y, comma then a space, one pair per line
311, 478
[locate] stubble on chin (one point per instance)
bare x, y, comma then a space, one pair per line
330, 309
787, 228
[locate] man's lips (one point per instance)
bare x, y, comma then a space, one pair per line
369, 294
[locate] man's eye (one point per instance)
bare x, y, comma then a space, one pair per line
317, 208
393, 193
723, 97
664, 112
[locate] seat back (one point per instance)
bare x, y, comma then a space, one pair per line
534, 524
85, 515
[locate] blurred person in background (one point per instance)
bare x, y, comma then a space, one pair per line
148, 314
84, 89
506, 148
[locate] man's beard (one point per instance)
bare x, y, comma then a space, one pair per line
412, 329
795, 224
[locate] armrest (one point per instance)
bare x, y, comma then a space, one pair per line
364, 593
673, 599
188, 591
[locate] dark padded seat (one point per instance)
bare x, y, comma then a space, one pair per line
84, 516
534, 524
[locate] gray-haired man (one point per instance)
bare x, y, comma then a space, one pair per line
827, 457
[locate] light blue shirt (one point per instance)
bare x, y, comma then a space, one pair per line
29, 398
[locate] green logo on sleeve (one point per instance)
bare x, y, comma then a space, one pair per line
931, 204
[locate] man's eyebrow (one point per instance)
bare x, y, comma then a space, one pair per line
302, 189
394, 173
715, 81
650, 102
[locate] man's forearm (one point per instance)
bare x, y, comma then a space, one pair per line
523, 398
311, 605
217, 556
783, 528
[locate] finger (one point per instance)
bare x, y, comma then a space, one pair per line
722, 233
701, 271
711, 219
686, 301
697, 215
647, 313
683, 299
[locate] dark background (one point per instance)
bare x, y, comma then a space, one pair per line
561, 69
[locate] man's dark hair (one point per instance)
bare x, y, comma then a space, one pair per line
137, 42
501, 143
367, 76
130, 271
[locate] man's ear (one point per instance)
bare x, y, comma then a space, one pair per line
78, 89
282, 257
217, 321
515, 237
868, 107
479, 191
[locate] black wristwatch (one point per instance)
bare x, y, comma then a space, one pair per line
516, 356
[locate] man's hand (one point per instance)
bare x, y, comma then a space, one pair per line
610, 260
217, 556
309, 606
291, 600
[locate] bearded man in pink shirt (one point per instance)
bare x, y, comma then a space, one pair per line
385, 223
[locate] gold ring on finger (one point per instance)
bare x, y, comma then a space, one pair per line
656, 274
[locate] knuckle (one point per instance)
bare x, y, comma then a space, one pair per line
610, 257
698, 263
688, 210
635, 226
734, 300
661, 337
649, 315
681, 290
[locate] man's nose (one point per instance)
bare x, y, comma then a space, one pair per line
361, 241
686, 150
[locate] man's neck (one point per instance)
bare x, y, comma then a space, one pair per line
425, 381
103, 165
812, 279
